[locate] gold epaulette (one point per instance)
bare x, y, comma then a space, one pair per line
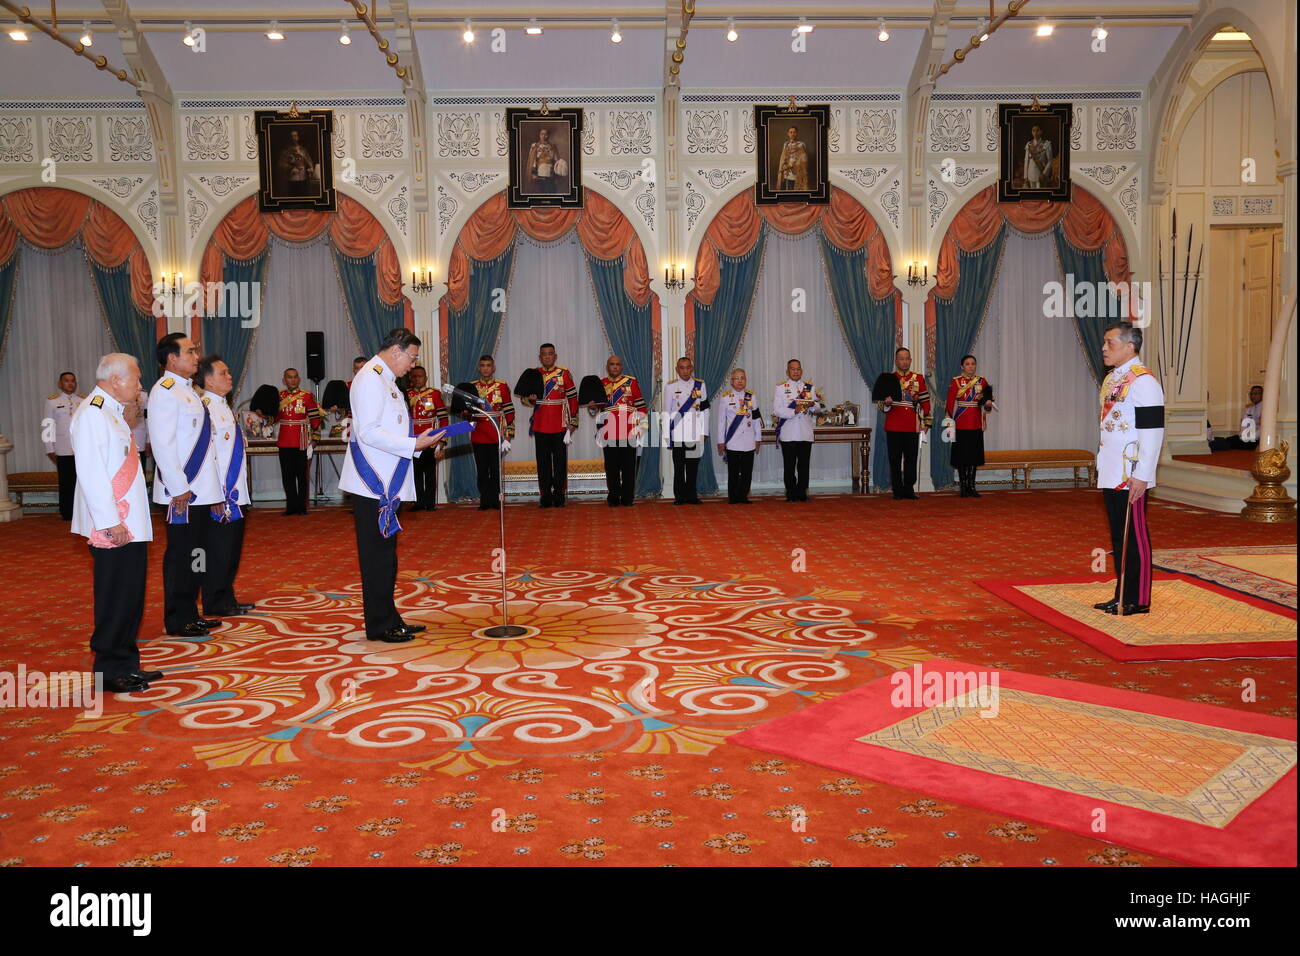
52, 397
167, 382
97, 401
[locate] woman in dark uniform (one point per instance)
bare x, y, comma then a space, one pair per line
970, 399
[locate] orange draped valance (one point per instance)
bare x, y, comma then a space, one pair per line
602, 229
845, 223
1084, 221
51, 217
353, 230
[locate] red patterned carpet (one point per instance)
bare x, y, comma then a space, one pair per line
285, 739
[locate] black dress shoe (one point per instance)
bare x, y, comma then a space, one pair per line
1108, 606
484, 507
208, 623
612, 504
1136, 609
124, 685
394, 635
190, 630
146, 676
416, 508
288, 511
910, 496
694, 501
545, 503
413, 628
559, 503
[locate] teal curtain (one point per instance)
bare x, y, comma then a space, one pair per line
8, 286
869, 329
956, 326
227, 335
719, 328
630, 329
372, 318
1087, 267
133, 331
470, 333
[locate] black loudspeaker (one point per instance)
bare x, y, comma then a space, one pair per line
316, 356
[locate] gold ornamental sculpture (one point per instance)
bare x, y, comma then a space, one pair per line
1270, 502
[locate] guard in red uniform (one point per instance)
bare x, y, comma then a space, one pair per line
970, 399
617, 430
427, 411
299, 419
487, 457
907, 414
554, 419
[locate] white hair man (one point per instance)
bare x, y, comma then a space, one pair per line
111, 510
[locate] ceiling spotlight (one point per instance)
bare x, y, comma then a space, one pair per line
534, 29
274, 33
984, 29
343, 33
1100, 32
1044, 28
616, 35
468, 35
18, 36
804, 26
188, 36
87, 38
883, 35
731, 30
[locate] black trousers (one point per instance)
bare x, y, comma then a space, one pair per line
377, 557
902, 460
796, 456
293, 475
1137, 570
425, 469
488, 462
740, 472
119, 606
686, 465
620, 474
184, 565
225, 546
552, 466
67, 467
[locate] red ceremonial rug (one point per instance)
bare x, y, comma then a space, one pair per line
1262, 572
284, 739
1201, 784
1190, 619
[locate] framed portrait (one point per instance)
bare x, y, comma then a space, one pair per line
545, 157
792, 154
294, 159
1035, 151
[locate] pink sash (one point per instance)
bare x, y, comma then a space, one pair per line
122, 483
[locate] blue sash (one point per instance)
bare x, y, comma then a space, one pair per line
192, 465
390, 498
613, 400
803, 393
735, 422
230, 489
696, 385
546, 391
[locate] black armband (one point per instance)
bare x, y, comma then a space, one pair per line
1149, 416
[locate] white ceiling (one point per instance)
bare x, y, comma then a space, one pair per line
578, 54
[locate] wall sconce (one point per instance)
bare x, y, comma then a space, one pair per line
422, 281
917, 276
674, 277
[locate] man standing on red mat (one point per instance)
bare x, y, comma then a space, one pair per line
299, 419
906, 418
554, 419
427, 411
1132, 431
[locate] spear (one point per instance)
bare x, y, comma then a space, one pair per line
1160, 282
1182, 314
1173, 280
1191, 319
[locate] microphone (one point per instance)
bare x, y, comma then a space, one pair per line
475, 400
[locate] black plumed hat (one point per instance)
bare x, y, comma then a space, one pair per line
887, 386
336, 395
530, 383
266, 401
591, 389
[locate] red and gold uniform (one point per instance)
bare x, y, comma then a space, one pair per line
497, 395
551, 417
299, 419
617, 433
427, 411
902, 417
967, 395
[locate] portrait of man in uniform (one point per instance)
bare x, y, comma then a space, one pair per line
294, 159
1035, 152
792, 148
545, 157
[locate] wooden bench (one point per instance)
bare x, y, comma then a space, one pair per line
22, 482
586, 477
1026, 462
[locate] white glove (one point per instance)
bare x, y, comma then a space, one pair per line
505, 446
568, 437
925, 437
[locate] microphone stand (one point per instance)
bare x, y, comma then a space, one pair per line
505, 630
